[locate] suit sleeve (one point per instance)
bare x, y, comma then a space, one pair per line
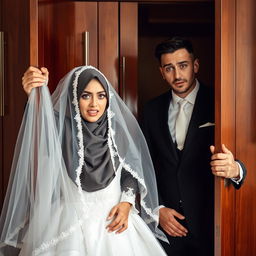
237, 186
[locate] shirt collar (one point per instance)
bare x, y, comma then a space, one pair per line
191, 97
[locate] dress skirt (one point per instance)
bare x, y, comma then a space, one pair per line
91, 238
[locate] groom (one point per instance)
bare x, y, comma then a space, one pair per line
179, 128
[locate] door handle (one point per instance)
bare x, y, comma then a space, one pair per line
86, 36
123, 77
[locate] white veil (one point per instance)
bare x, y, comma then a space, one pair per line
40, 190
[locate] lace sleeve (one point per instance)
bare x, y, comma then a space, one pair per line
129, 188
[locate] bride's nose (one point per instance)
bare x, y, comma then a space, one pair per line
94, 101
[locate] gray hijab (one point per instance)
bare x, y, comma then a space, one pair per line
98, 169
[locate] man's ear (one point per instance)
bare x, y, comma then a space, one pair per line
196, 66
162, 72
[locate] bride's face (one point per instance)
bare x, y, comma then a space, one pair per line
93, 101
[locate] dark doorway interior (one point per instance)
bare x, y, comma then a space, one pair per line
159, 21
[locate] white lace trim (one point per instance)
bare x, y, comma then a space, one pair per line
110, 115
129, 193
128, 196
79, 135
53, 242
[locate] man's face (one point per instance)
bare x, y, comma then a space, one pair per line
179, 69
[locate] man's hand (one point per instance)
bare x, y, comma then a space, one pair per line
34, 77
170, 225
223, 164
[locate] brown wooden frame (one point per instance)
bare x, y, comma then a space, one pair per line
235, 211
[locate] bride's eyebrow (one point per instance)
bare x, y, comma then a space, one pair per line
91, 92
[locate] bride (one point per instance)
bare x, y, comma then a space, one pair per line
82, 181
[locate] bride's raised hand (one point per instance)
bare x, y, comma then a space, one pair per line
34, 77
120, 215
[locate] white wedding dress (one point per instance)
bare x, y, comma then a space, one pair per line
91, 238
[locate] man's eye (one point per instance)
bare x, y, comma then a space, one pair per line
168, 69
183, 66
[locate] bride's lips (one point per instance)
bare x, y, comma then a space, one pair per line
92, 112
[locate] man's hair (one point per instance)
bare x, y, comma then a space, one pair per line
172, 45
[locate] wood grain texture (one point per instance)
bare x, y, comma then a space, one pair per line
1, 129
61, 41
108, 50
129, 55
1, 164
235, 211
246, 125
33, 33
15, 22
225, 121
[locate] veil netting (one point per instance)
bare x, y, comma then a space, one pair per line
41, 190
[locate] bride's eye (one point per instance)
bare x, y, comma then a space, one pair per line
102, 96
85, 96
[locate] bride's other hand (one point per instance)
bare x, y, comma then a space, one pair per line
34, 77
120, 215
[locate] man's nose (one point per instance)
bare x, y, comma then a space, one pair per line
176, 73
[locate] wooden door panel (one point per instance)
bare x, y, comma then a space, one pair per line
62, 42
129, 54
15, 22
225, 121
1, 165
108, 53
235, 211
1, 107
245, 207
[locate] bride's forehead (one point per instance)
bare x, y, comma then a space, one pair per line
94, 85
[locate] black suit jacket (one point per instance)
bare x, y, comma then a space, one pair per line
184, 177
